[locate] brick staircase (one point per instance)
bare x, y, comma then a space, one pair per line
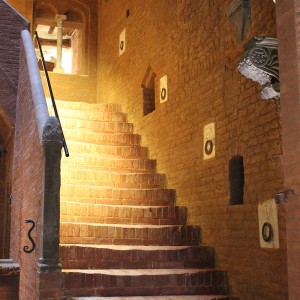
121, 233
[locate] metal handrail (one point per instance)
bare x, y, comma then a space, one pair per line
51, 92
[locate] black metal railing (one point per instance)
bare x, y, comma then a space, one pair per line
50, 91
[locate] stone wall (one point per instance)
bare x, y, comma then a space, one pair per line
193, 43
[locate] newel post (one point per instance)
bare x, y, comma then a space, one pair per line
52, 144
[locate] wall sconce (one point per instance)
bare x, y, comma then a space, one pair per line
239, 13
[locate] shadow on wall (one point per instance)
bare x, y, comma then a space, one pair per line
6, 151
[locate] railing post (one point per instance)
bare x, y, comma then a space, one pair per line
52, 144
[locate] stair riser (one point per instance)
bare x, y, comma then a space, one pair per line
104, 258
111, 196
93, 115
108, 151
83, 106
97, 126
109, 179
102, 138
97, 163
166, 297
72, 233
89, 213
115, 201
205, 282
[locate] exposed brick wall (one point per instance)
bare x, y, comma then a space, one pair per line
19, 5
193, 43
10, 34
77, 59
288, 23
27, 186
9, 279
71, 87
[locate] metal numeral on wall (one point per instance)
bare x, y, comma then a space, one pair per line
26, 248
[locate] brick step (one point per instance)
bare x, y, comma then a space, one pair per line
124, 234
112, 179
92, 115
114, 196
144, 282
136, 257
130, 151
181, 297
121, 165
97, 126
115, 214
108, 107
114, 139
9, 279
100, 184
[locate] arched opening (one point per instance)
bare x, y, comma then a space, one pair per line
73, 39
236, 178
148, 86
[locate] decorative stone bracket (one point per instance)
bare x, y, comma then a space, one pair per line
260, 63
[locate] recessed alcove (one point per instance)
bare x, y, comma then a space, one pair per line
236, 179
148, 87
73, 39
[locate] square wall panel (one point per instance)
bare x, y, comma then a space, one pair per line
163, 93
122, 42
268, 224
209, 149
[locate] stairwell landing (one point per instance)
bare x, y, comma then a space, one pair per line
122, 235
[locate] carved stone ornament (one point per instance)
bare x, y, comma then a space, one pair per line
260, 63
239, 12
52, 130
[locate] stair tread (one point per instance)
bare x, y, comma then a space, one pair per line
138, 272
128, 225
78, 168
79, 105
180, 297
125, 206
123, 189
110, 158
73, 142
131, 247
89, 131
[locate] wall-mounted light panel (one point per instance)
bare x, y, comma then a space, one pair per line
122, 42
163, 93
268, 224
209, 140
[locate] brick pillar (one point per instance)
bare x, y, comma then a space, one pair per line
50, 276
288, 26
